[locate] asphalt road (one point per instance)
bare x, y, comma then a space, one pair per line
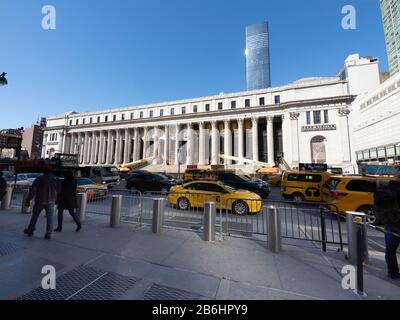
298, 221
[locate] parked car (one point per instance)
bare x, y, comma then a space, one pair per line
302, 186
274, 180
244, 182
93, 190
195, 194
24, 180
352, 193
146, 181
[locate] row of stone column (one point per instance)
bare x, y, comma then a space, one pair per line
105, 147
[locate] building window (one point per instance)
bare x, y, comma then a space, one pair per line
172, 111
91, 120
233, 104
207, 107
308, 116
98, 119
326, 116
317, 117
105, 118
151, 114
247, 103
183, 110
220, 106
132, 115
195, 109
123, 116
277, 99
84, 121
162, 113
114, 117
141, 114
262, 101
70, 122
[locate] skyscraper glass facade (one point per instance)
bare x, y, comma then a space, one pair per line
391, 22
258, 73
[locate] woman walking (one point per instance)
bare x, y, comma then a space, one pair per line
67, 201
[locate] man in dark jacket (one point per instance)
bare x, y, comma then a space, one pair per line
45, 190
3, 186
67, 201
387, 210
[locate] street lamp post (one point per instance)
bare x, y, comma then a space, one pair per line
3, 80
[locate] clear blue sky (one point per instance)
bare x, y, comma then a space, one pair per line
127, 52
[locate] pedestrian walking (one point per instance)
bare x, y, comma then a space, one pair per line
387, 211
45, 191
67, 201
3, 186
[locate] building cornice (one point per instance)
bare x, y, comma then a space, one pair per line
206, 116
243, 94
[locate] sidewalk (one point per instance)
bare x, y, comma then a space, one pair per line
128, 263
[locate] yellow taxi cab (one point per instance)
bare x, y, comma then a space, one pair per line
93, 190
195, 194
302, 186
275, 180
352, 193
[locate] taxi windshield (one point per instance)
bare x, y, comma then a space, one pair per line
229, 188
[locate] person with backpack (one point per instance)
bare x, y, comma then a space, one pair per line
387, 211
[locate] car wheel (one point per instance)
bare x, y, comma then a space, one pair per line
240, 208
297, 198
369, 212
183, 204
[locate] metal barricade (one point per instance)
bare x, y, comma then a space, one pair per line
98, 201
182, 210
299, 221
17, 197
244, 217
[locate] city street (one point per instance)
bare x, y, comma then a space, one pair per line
298, 221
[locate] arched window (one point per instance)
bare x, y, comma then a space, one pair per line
318, 149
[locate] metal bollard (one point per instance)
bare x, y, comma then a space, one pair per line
25, 209
158, 215
6, 201
115, 219
352, 236
82, 203
210, 210
274, 229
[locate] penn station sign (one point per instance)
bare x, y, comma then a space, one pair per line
323, 127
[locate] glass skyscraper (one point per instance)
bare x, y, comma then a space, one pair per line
258, 74
391, 23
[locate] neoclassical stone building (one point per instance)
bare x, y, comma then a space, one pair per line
305, 121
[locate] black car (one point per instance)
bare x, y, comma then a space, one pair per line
241, 181
146, 181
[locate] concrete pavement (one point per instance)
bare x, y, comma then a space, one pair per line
133, 263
